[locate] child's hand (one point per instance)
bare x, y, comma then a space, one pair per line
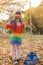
9, 30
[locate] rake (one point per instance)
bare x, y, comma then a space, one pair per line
32, 58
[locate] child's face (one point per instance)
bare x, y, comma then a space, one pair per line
18, 15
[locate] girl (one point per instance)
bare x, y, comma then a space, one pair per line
15, 27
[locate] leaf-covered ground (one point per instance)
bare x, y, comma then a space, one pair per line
5, 55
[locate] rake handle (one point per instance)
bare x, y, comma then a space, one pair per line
30, 27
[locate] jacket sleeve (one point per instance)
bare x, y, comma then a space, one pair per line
8, 26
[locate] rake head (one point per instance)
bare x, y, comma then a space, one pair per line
31, 59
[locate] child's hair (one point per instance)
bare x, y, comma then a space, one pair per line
16, 19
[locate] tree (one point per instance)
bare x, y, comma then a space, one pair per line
9, 5
35, 28
39, 16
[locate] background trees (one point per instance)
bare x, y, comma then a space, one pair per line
8, 8
39, 16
